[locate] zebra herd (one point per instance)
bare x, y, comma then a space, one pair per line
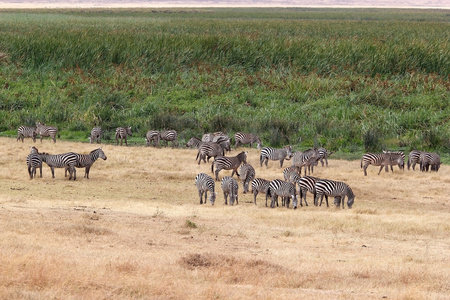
41, 129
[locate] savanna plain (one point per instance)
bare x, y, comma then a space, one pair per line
136, 230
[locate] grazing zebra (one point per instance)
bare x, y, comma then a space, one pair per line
230, 188
395, 160
325, 187
382, 159
34, 161
66, 160
323, 155
307, 184
247, 138
414, 158
122, 133
260, 185
153, 137
228, 163
247, 175
169, 136
428, 160
307, 159
208, 150
26, 132
46, 131
275, 154
96, 135
87, 160
286, 190
204, 184
194, 142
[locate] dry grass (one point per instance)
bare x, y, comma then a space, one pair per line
136, 230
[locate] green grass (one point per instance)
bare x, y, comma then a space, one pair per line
303, 77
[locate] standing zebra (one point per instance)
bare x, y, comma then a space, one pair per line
194, 142
34, 161
275, 154
122, 133
96, 135
247, 138
204, 184
428, 160
307, 184
46, 131
87, 160
169, 136
382, 159
325, 187
323, 155
287, 172
208, 150
247, 175
414, 158
396, 160
26, 132
66, 160
230, 188
228, 163
260, 185
307, 159
152, 137
284, 189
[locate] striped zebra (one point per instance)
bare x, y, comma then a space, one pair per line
307, 159
230, 188
286, 190
152, 137
323, 155
213, 137
325, 187
260, 185
247, 138
122, 133
287, 172
34, 161
46, 131
414, 158
228, 163
395, 160
66, 160
169, 136
87, 160
96, 135
204, 184
307, 184
383, 160
26, 132
275, 154
247, 175
428, 159
208, 150
194, 142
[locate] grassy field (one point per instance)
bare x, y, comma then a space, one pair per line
136, 230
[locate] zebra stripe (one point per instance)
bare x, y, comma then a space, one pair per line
66, 160
286, 190
247, 175
213, 137
383, 160
306, 184
87, 160
122, 133
325, 187
430, 159
34, 161
307, 159
152, 137
46, 131
230, 188
414, 158
275, 154
323, 155
26, 132
204, 184
260, 185
208, 150
288, 171
228, 163
169, 136
395, 160
96, 135
247, 138
194, 142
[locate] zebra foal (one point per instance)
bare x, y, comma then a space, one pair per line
26, 132
230, 188
325, 187
228, 163
275, 154
243, 138
46, 131
205, 184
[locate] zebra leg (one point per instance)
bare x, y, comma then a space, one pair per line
40, 169
281, 162
381, 168
53, 172
86, 172
200, 193
225, 196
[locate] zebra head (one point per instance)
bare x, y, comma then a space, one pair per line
128, 130
351, 198
288, 152
258, 143
101, 154
212, 197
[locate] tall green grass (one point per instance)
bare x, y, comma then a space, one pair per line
350, 80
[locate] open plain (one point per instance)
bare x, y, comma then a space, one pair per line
136, 230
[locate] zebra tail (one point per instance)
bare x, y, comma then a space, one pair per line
361, 163
212, 166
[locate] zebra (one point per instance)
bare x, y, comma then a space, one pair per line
228, 163
307, 184
275, 154
122, 133
152, 137
46, 131
260, 185
247, 138
428, 160
208, 150
323, 155
395, 160
307, 159
34, 161
325, 187
382, 160
87, 160
288, 171
66, 160
213, 137
204, 184
247, 175
26, 132
284, 189
96, 135
169, 136
194, 142
230, 188
414, 158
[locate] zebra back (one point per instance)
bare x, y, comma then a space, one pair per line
230, 188
247, 138
170, 136
269, 153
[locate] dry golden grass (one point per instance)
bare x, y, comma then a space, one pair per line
136, 230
